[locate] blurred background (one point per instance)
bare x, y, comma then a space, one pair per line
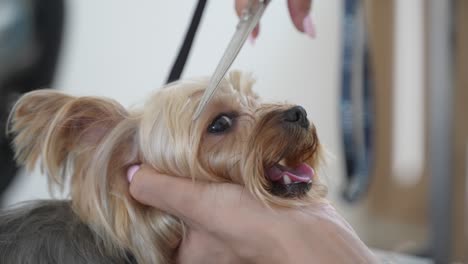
385, 83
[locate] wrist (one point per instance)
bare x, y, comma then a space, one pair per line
278, 245
261, 244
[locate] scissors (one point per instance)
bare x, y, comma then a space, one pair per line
248, 20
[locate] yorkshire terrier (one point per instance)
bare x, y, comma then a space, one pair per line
90, 142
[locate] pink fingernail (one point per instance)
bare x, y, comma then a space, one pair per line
251, 40
131, 172
309, 26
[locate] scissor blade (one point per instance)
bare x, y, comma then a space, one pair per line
244, 28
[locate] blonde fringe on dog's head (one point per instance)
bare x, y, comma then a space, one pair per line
93, 141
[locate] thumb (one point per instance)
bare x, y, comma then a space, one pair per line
173, 195
190, 201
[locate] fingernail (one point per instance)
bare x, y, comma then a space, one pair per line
309, 26
131, 172
251, 39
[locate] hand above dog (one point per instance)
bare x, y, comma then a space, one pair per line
226, 224
299, 11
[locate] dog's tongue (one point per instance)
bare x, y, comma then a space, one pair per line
302, 173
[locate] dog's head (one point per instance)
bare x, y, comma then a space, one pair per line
271, 149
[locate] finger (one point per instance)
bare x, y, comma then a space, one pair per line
193, 202
173, 195
299, 11
256, 31
240, 6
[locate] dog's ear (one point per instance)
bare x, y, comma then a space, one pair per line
243, 82
93, 141
55, 128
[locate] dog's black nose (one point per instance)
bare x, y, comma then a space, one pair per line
297, 115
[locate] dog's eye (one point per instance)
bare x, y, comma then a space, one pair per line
220, 124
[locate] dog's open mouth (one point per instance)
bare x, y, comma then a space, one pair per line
290, 182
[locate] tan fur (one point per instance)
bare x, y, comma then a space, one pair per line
92, 142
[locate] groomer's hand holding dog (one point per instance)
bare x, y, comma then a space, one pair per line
299, 11
227, 225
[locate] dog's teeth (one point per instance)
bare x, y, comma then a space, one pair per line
286, 179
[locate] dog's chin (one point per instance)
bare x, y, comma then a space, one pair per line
290, 182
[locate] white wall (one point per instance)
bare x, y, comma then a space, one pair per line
124, 50
408, 105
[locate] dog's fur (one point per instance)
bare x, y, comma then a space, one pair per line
91, 142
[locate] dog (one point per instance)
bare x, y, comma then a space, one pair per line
88, 143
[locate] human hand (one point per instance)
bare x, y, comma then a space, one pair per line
228, 225
299, 11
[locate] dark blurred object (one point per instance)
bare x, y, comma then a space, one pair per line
30, 40
357, 108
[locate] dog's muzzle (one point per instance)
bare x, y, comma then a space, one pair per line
295, 180
297, 115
